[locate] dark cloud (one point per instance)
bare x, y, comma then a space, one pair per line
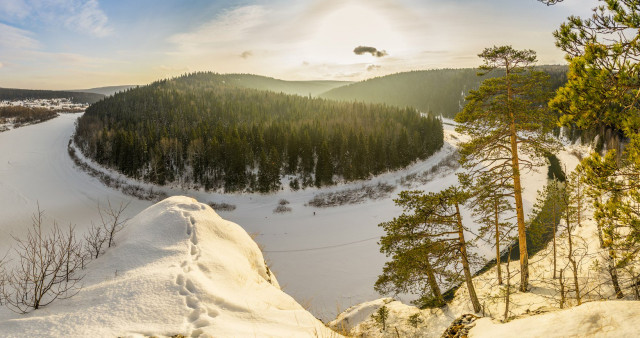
246, 54
373, 67
371, 50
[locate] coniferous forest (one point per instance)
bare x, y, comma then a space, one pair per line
199, 129
440, 91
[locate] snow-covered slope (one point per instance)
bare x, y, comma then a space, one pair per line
595, 319
544, 293
177, 268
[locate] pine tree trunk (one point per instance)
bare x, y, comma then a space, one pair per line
555, 230
562, 297
465, 263
497, 221
613, 272
517, 189
433, 283
508, 292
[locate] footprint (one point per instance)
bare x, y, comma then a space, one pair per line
184, 292
190, 207
194, 250
180, 280
201, 323
194, 238
195, 314
212, 312
192, 302
193, 220
190, 286
196, 333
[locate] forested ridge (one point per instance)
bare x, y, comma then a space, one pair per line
440, 91
24, 94
200, 129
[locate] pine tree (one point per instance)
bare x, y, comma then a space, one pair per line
606, 194
433, 222
505, 117
602, 86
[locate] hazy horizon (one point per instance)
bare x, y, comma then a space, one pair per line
81, 44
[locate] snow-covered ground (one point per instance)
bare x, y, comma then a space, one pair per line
177, 268
326, 258
593, 318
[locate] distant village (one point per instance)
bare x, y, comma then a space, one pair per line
61, 105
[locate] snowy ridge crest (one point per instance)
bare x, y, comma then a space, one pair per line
177, 268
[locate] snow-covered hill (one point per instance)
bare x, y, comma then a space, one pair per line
595, 319
177, 268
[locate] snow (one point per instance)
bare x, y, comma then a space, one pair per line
327, 261
595, 319
177, 268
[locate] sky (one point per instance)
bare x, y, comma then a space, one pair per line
76, 44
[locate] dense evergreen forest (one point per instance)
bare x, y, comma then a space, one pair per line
24, 94
201, 129
440, 91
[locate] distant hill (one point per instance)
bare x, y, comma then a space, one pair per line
106, 91
23, 94
303, 88
440, 91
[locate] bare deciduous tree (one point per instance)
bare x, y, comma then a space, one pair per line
94, 240
112, 220
47, 267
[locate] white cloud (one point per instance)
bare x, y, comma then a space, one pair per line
12, 38
83, 16
1, 65
13, 8
228, 27
88, 17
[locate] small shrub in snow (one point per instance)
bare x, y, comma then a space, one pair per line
281, 209
449, 163
283, 202
352, 196
222, 206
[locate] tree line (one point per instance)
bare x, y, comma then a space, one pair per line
23, 115
198, 129
12, 94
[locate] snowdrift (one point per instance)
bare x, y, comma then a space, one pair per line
177, 268
595, 319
